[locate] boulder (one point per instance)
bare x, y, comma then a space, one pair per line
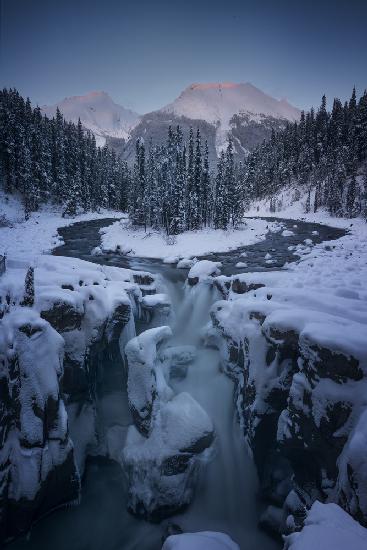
162, 468
37, 465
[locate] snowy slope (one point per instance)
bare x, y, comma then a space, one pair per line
99, 113
218, 102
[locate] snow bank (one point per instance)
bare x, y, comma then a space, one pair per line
203, 270
52, 354
34, 427
327, 526
204, 540
295, 340
27, 239
153, 244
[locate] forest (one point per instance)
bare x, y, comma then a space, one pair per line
172, 186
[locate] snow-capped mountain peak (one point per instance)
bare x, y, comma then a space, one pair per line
217, 102
97, 112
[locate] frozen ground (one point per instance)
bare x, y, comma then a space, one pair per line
38, 235
154, 244
288, 207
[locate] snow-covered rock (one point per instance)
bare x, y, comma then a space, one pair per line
97, 251
53, 355
202, 540
202, 271
156, 305
296, 343
178, 358
37, 465
328, 527
169, 432
142, 385
186, 263
162, 468
171, 259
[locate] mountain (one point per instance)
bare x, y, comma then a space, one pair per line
242, 111
98, 113
218, 102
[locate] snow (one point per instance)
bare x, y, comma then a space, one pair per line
154, 244
38, 235
328, 527
184, 422
141, 353
204, 270
161, 450
154, 300
31, 448
98, 113
241, 264
204, 540
218, 102
186, 263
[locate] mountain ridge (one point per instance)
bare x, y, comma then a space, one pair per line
238, 109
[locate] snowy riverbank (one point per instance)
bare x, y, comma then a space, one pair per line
25, 239
154, 244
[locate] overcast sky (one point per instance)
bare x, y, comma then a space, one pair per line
143, 53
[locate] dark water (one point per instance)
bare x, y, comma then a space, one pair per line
226, 496
81, 237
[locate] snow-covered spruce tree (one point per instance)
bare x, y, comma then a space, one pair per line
220, 210
178, 166
138, 198
195, 195
205, 188
60, 184
189, 180
28, 298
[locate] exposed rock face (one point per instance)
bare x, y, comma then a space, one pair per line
301, 375
170, 431
37, 469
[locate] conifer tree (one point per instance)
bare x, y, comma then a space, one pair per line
28, 298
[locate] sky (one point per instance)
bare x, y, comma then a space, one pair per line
144, 53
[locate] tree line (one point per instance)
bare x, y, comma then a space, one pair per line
322, 153
171, 185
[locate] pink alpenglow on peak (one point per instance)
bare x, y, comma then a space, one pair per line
218, 102
213, 85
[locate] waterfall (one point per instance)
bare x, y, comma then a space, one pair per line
193, 312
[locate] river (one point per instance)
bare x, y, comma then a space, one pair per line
226, 497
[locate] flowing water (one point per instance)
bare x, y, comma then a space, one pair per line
226, 495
